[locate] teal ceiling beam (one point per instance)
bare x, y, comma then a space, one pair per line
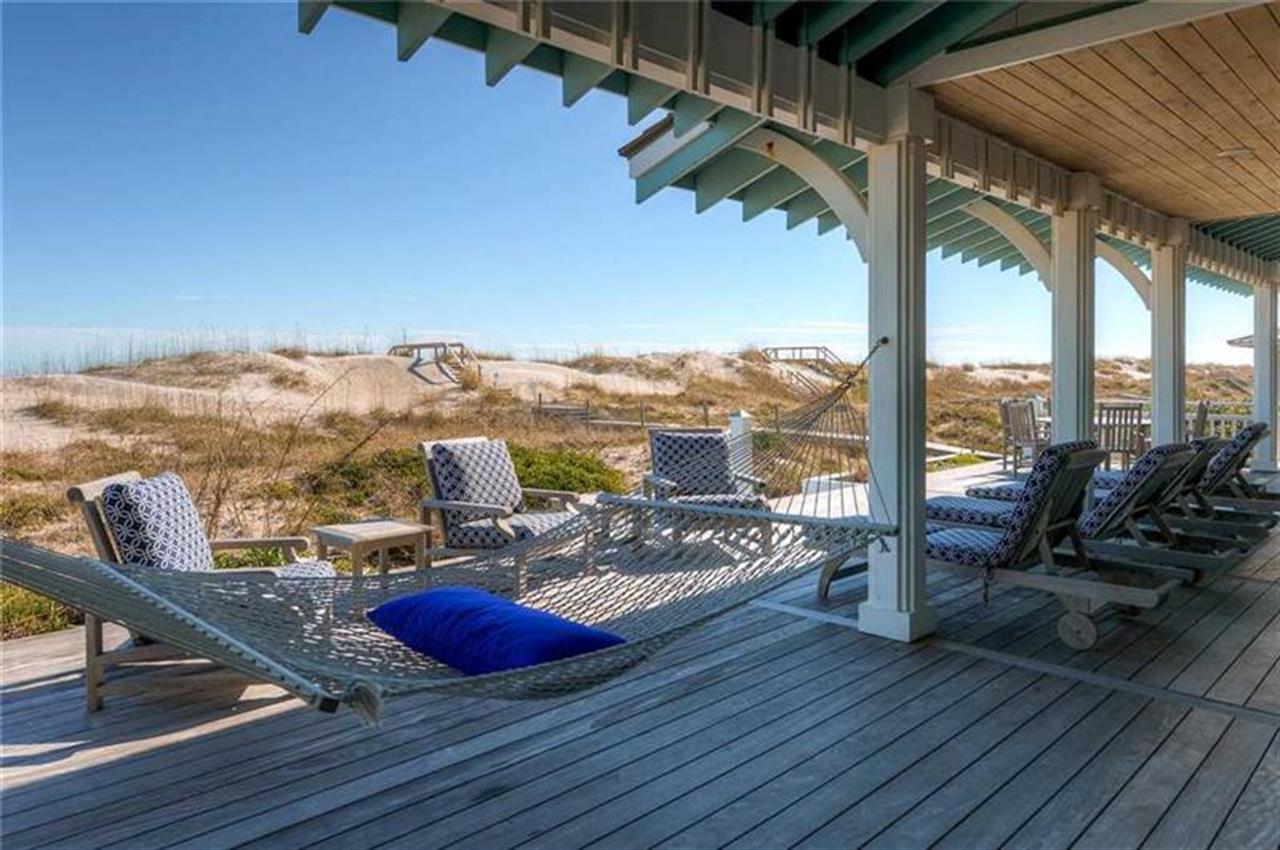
309, 14
879, 24
644, 96
415, 23
810, 204
581, 75
503, 50
929, 36
978, 247
827, 222
780, 186
768, 11
956, 231
729, 126
978, 237
948, 223
691, 110
729, 174
822, 21
774, 189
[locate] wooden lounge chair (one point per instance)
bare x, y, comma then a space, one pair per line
477, 504
1226, 483
153, 523
1016, 537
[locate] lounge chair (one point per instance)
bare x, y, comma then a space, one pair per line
1016, 536
702, 466
154, 523
477, 504
1128, 526
1225, 482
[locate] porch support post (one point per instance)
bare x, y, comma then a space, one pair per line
1071, 267
1265, 379
1169, 338
897, 605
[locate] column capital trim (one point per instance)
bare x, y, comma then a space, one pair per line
909, 113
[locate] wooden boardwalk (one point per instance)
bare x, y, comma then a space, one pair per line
777, 725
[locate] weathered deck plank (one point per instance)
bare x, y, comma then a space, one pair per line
766, 728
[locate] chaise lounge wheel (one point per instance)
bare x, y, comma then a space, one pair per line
1077, 630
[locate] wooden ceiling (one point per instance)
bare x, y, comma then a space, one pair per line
1185, 120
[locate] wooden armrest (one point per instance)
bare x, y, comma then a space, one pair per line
288, 544
478, 508
560, 495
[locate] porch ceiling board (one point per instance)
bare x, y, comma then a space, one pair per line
1184, 119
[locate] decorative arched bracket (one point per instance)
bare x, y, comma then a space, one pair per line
831, 184
1037, 253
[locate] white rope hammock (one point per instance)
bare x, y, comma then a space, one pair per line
646, 568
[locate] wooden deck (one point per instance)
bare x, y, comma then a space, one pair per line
777, 725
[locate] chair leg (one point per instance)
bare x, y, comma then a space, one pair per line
93, 669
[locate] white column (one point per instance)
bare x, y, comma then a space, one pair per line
1264, 372
1168, 343
897, 605
1071, 267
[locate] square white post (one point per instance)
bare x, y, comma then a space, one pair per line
1265, 373
1168, 343
740, 448
897, 604
1071, 268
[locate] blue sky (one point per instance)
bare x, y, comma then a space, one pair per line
185, 171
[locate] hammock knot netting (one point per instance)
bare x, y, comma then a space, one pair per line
714, 528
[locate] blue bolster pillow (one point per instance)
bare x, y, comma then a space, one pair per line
476, 632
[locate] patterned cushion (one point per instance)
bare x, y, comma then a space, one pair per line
1035, 492
991, 513
1106, 479
1010, 491
477, 471
1232, 456
726, 500
1096, 520
969, 546
155, 524
483, 534
697, 462
307, 569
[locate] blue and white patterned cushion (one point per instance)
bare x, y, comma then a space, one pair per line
991, 513
1010, 491
696, 462
307, 569
477, 471
1096, 520
1106, 479
971, 547
981, 547
155, 524
483, 534
1232, 456
1035, 492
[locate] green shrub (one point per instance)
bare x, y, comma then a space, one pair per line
564, 469
23, 613
238, 558
27, 511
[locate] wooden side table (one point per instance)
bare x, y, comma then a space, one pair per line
362, 539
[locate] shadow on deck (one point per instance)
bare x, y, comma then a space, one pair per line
776, 725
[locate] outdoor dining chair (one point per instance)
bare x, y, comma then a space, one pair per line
1119, 431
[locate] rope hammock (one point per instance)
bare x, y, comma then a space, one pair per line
646, 567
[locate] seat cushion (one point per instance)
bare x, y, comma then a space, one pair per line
1008, 492
475, 632
991, 513
155, 524
1109, 512
1107, 479
483, 534
974, 547
697, 462
1232, 456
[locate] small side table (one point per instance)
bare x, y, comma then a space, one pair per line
362, 539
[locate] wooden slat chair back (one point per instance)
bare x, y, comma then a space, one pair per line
1200, 422
88, 497
1120, 431
1024, 432
1006, 433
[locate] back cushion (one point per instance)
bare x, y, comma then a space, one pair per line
155, 524
1032, 500
479, 471
1232, 455
698, 462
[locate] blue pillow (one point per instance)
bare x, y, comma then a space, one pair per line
476, 632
